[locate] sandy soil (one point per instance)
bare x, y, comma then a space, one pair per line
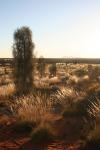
10, 140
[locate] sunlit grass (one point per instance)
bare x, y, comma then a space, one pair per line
32, 108
7, 90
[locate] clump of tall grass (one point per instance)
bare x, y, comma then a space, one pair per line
36, 107
33, 113
94, 109
93, 138
7, 90
31, 108
65, 97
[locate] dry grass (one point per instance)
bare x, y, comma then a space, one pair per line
67, 97
37, 107
94, 109
7, 90
32, 108
40, 109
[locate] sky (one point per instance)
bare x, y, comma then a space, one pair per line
60, 28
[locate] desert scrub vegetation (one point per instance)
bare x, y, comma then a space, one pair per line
7, 90
33, 116
68, 98
23, 60
63, 98
76, 111
31, 108
93, 137
24, 127
30, 112
94, 134
36, 107
81, 72
44, 133
41, 67
36, 110
94, 109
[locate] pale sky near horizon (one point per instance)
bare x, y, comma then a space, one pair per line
61, 28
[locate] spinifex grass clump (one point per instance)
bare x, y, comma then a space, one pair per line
31, 108
33, 113
36, 107
94, 110
93, 138
7, 90
39, 109
65, 97
61, 99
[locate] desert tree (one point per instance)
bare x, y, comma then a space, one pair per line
52, 70
23, 60
41, 66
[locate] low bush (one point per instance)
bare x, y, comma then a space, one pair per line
80, 72
95, 134
78, 109
93, 140
92, 145
24, 127
72, 112
42, 134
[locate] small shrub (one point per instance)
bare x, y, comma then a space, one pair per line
93, 140
64, 79
24, 127
72, 112
95, 134
42, 134
92, 145
78, 109
80, 72
79, 113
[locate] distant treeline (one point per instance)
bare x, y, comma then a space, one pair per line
10, 61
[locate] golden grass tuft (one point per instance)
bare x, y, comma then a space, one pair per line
7, 90
32, 108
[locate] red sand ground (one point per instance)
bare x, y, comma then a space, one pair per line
9, 140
